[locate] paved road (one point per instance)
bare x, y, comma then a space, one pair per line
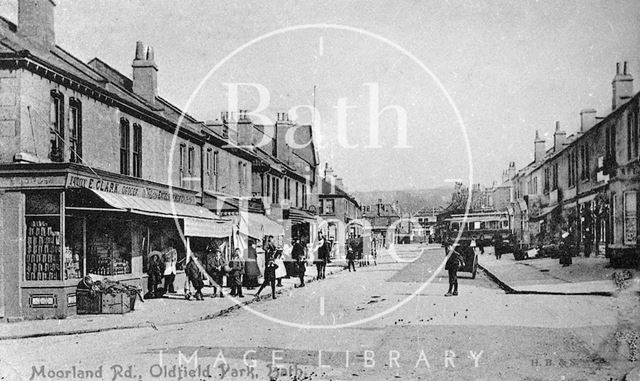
373, 330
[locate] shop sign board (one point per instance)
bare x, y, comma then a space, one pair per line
78, 181
32, 181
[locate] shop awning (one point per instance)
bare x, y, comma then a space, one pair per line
584, 199
135, 204
198, 221
298, 216
199, 227
543, 213
258, 225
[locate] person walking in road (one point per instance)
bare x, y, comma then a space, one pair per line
454, 262
299, 257
170, 259
237, 270
281, 271
321, 256
269, 278
351, 256
567, 248
215, 268
195, 277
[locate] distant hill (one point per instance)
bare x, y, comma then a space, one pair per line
409, 200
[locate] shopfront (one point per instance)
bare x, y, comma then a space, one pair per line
63, 222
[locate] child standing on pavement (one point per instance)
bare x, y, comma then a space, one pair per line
454, 262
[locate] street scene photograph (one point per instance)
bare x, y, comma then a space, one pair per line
319, 190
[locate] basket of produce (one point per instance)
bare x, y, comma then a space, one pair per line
105, 297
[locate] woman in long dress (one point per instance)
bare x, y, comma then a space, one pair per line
281, 271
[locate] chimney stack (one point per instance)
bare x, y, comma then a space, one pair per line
328, 172
511, 172
559, 138
36, 22
539, 148
587, 119
145, 74
622, 86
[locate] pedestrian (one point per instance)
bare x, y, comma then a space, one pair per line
170, 259
154, 272
269, 248
269, 278
215, 268
195, 277
299, 257
321, 256
454, 262
281, 271
567, 248
351, 256
251, 269
237, 270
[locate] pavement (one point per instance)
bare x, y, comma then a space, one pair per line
354, 326
170, 310
586, 276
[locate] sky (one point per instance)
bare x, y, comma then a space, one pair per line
496, 71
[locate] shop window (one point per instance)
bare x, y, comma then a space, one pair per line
109, 246
125, 146
630, 218
43, 259
57, 126
137, 150
74, 247
75, 130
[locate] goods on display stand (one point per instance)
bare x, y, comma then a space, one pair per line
43, 252
105, 297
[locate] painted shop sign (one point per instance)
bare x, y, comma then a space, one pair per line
76, 181
31, 181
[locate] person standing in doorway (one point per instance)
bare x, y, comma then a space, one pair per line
454, 262
237, 270
170, 259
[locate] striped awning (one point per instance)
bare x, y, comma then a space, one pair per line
198, 221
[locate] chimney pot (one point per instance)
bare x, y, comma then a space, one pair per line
617, 67
150, 54
139, 50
